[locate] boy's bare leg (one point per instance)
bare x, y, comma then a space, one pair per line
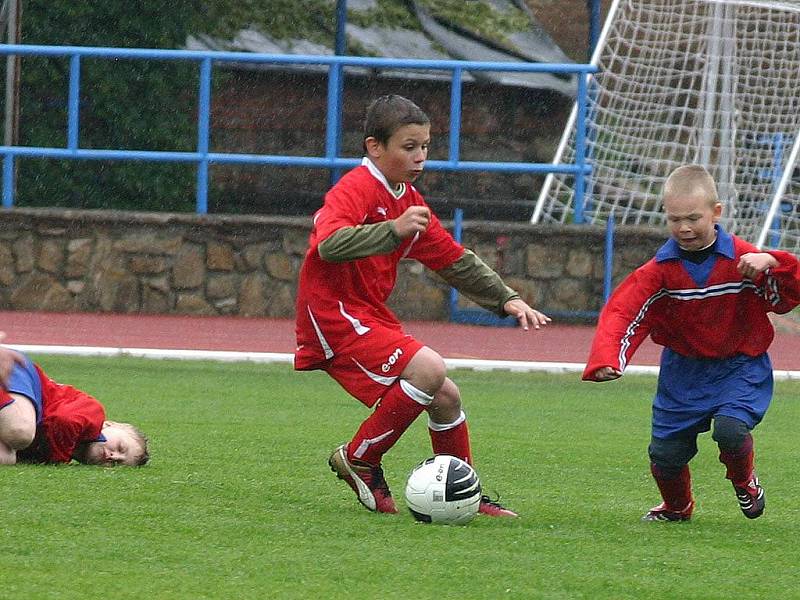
17, 427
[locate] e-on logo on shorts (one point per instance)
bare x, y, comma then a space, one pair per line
393, 358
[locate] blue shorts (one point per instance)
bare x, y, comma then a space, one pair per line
25, 381
691, 391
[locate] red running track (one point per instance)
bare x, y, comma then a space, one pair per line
554, 343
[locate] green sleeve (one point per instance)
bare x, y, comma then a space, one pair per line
478, 282
351, 243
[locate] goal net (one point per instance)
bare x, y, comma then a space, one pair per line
714, 82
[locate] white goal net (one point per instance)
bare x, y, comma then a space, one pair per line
714, 82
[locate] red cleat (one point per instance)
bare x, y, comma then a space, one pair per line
494, 509
662, 513
366, 481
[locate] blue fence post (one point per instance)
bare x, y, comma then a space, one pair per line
458, 220
334, 126
73, 102
203, 119
8, 180
608, 256
594, 25
580, 149
455, 117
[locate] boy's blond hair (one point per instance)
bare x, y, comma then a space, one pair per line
140, 438
691, 180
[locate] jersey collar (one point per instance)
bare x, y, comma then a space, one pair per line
670, 250
376, 173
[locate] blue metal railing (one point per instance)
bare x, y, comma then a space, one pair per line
203, 156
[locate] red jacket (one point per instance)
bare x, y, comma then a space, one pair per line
69, 417
720, 317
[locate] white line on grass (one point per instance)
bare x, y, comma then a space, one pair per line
278, 357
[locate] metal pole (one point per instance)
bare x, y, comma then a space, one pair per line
11, 121
777, 196
337, 72
203, 128
594, 25
12, 75
458, 220
608, 263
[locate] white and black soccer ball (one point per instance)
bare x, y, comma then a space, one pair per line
443, 489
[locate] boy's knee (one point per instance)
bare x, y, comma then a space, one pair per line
426, 371
729, 432
448, 398
17, 435
672, 454
18, 424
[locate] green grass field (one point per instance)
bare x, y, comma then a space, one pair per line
238, 501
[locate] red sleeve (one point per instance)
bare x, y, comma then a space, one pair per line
782, 283
341, 209
436, 248
625, 321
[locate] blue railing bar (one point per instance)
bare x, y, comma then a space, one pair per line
580, 146
73, 102
464, 165
455, 114
203, 124
304, 59
280, 160
8, 180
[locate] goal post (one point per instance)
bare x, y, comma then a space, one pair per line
714, 82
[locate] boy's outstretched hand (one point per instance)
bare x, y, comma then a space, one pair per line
526, 316
8, 358
414, 220
752, 264
607, 374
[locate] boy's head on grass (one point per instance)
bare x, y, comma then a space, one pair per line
397, 134
692, 207
124, 445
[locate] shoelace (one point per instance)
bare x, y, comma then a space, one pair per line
487, 500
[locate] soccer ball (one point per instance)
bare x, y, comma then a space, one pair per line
443, 489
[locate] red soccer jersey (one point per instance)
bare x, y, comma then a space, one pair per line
337, 300
69, 417
719, 317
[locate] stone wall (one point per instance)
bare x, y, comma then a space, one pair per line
159, 263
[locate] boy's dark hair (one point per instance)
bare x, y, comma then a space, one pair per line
387, 114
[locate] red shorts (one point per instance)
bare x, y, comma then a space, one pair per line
368, 367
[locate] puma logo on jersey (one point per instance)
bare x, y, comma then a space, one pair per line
381, 211
391, 360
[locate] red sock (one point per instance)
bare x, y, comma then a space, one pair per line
739, 463
396, 411
676, 492
451, 438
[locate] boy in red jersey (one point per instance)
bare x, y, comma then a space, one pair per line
371, 219
42, 421
704, 297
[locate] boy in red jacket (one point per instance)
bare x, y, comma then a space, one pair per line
704, 297
42, 421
